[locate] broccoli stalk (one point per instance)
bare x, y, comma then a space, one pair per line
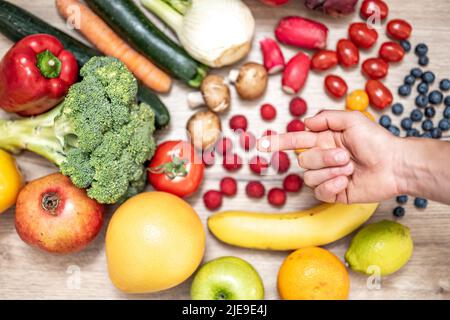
98, 136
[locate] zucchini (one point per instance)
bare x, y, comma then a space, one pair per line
16, 24
128, 20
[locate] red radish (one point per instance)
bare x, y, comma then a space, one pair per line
238, 122
255, 189
212, 199
298, 107
292, 183
362, 35
348, 53
373, 8
275, 2
277, 197
302, 32
295, 126
380, 97
280, 162
272, 55
258, 164
296, 73
269, 132
375, 68
224, 146
208, 157
268, 112
228, 186
391, 52
232, 162
336, 86
247, 141
399, 29
324, 60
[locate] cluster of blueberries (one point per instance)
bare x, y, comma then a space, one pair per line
426, 102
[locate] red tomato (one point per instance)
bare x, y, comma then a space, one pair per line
373, 7
176, 168
324, 60
362, 35
336, 86
380, 97
348, 53
375, 68
391, 52
399, 29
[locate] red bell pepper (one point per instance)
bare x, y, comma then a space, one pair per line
35, 75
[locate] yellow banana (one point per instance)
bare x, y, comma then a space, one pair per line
317, 226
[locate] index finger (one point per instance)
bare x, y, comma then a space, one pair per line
287, 141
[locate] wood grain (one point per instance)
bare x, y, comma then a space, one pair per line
26, 273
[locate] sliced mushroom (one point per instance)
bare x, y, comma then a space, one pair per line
205, 129
250, 81
214, 93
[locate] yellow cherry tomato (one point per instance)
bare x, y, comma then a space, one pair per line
358, 100
10, 181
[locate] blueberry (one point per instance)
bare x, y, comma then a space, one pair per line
424, 61
428, 77
413, 133
402, 199
399, 212
404, 90
397, 109
447, 112
416, 115
406, 124
385, 121
435, 97
410, 80
436, 133
394, 130
427, 125
447, 101
421, 101
406, 45
427, 135
444, 85
444, 125
430, 112
422, 88
416, 72
420, 203
421, 49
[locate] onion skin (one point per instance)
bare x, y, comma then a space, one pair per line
334, 8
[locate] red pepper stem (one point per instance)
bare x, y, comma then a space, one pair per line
48, 64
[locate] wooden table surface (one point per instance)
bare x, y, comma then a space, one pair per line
26, 273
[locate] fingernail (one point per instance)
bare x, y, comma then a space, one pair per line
340, 157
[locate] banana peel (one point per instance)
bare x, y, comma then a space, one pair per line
317, 226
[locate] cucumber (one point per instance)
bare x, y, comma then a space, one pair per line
16, 24
128, 20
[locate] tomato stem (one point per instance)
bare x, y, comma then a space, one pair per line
173, 169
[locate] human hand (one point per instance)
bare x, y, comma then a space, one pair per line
350, 159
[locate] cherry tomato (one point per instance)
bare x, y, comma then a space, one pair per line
374, 7
176, 168
336, 86
324, 60
380, 97
348, 53
391, 52
399, 29
375, 68
358, 100
362, 35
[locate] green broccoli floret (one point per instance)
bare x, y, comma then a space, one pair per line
98, 136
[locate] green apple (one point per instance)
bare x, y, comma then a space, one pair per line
227, 278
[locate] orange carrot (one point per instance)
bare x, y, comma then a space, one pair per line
108, 42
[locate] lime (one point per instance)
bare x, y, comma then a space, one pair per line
383, 247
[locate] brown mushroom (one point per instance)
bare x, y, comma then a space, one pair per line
205, 129
214, 93
250, 81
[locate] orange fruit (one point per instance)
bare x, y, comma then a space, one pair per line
313, 274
